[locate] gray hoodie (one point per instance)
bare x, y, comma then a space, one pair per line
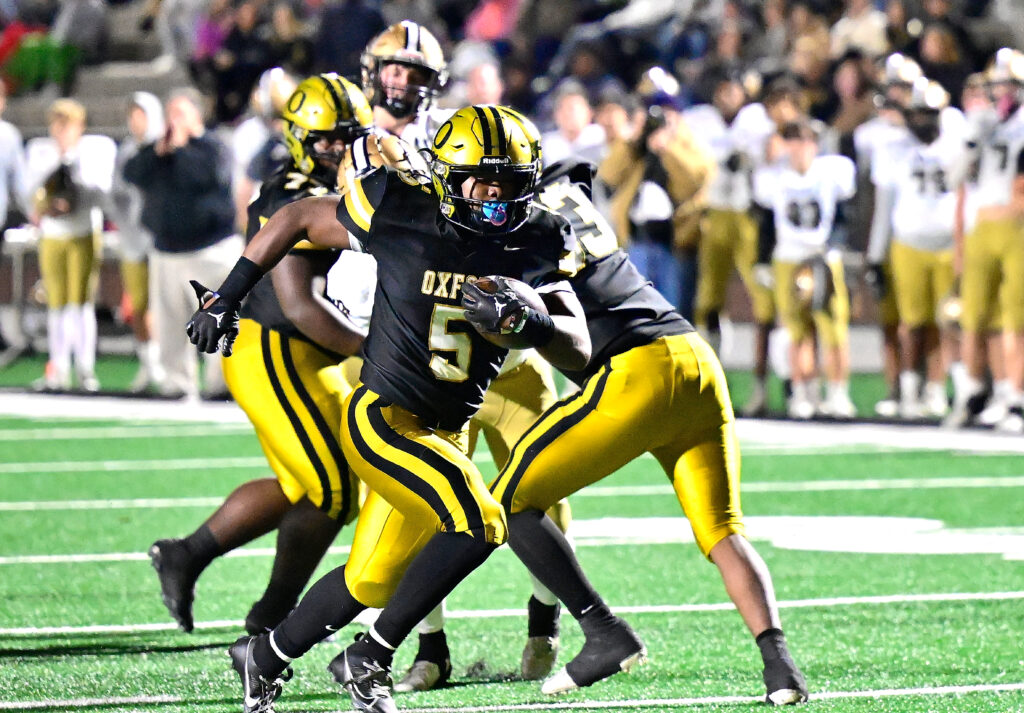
135, 241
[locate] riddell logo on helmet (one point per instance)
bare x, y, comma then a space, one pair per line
494, 160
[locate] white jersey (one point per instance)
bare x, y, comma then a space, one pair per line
873, 135
924, 181
92, 169
804, 203
420, 133
997, 150
738, 148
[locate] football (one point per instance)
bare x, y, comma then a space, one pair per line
527, 294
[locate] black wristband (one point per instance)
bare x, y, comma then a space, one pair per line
538, 329
242, 278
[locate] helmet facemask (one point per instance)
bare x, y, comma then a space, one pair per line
923, 124
401, 101
466, 202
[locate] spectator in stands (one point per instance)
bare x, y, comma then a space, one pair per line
658, 172
244, 55
518, 76
942, 59
896, 33
862, 27
806, 22
211, 30
177, 25
484, 84
346, 27
854, 100
575, 135
135, 242
13, 176
185, 177
70, 175
289, 46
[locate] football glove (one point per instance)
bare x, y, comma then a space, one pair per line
874, 276
215, 324
498, 312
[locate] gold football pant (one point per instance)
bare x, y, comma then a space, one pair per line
921, 279
832, 325
668, 398
424, 472
386, 541
992, 284
66, 267
729, 239
292, 392
135, 277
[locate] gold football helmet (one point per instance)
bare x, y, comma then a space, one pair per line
490, 144
323, 110
413, 46
271, 93
896, 76
1005, 80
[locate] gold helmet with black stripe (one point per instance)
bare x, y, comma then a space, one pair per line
324, 114
490, 146
409, 45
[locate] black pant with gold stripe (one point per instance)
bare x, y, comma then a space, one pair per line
668, 398
292, 392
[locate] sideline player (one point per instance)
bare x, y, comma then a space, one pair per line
803, 198
284, 374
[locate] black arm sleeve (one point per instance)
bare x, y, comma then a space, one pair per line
140, 168
765, 235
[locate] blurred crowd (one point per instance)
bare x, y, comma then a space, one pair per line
809, 145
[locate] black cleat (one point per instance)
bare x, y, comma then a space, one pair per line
259, 693
368, 682
784, 683
172, 563
611, 646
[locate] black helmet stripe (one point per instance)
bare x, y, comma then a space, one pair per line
499, 128
339, 105
412, 36
485, 129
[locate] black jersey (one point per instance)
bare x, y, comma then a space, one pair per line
285, 186
622, 307
421, 353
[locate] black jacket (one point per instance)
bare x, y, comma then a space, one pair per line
187, 202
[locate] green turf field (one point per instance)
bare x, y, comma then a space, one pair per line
900, 573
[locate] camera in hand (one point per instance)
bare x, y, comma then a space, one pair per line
59, 194
655, 120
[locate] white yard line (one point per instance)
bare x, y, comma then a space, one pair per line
139, 556
125, 431
89, 702
147, 465
597, 491
507, 613
647, 704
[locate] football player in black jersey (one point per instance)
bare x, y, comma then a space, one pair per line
653, 386
285, 376
426, 368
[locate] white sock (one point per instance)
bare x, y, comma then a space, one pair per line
799, 391
910, 386
432, 622
72, 319
814, 390
1013, 396
57, 343
1002, 390
85, 345
838, 389
968, 387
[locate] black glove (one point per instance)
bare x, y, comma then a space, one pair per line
874, 276
488, 311
211, 324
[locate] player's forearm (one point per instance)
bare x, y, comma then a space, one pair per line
569, 348
321, 322
278, 236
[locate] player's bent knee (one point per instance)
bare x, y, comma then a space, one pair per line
708, 538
